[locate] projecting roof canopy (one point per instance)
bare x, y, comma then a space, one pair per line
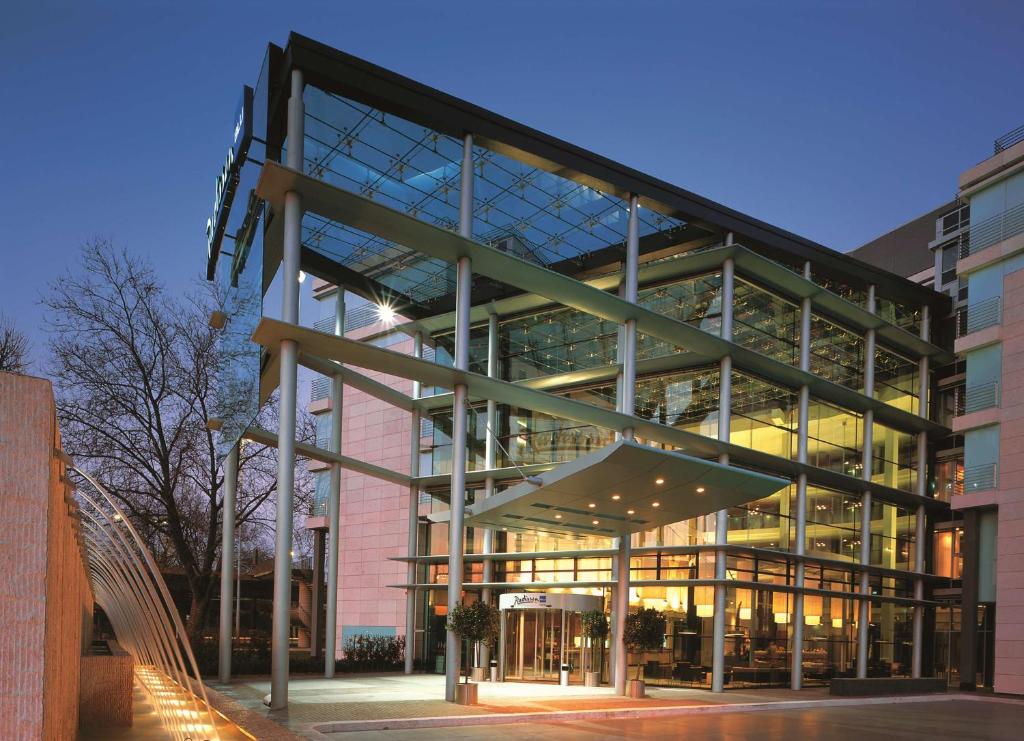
620, 489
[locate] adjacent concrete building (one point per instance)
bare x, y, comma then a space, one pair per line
975, 247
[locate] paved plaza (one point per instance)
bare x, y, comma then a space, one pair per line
395, 706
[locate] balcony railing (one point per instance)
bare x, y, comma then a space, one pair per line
1008, 139
979, 316
993, 230
357, 318
981, 396
324, 325
980, 478
320, 388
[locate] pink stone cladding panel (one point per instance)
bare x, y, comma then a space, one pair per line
374, 513
1009, 643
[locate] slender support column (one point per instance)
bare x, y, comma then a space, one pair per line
286, 420
334, 503
316, 613
797, 646
864, 608
625, 403
463, 287
721, 517
227, 563
414, 518
490, 462
922, 490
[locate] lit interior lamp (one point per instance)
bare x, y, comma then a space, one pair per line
745, 613
813, 605
659, 481
616, 497
744, 597
700, 489
780, 607
704, 601
837, 622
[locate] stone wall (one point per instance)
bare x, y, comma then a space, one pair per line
106, 688
45, 599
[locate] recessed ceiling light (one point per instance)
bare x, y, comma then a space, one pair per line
616, 497
591, 505
659, 481
655, 504
596, 522
630, 511
700, 489
558, 517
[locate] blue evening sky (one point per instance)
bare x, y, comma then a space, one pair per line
836, 120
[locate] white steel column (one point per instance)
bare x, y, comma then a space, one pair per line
625, 404
797, 644
227, 563
286, 421
490, 462
334, 503
864, 608
721, 516
463, 289
922, 490
414, 515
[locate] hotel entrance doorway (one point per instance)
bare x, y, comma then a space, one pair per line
540, 632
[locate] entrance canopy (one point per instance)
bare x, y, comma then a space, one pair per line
620, 489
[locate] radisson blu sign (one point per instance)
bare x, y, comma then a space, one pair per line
227, 180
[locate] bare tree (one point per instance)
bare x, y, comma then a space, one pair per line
13, 347
135, 375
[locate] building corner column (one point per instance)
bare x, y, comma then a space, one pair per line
227, 563
334, 503
291, 259
463, 297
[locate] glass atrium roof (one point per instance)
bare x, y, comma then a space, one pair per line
532, 213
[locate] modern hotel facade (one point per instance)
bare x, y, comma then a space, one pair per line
972, 248
551, 378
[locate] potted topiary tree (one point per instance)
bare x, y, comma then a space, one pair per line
473, 624
644, 631
595, 628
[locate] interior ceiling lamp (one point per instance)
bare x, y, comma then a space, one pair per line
780, 607
704, 599
813, 605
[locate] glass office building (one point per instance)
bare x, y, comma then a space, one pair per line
559, 377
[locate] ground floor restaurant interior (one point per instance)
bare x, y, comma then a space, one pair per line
539, 638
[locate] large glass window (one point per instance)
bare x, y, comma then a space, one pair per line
837, 354
833, 524
765, 523
893, 536
897, 382
835, 438
763, 416
557, 341
696, 301
766, 323
895, 458
687, 400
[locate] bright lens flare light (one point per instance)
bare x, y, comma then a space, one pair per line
386, 313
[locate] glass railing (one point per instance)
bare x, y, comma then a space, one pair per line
981, 315
994, 230
980, 478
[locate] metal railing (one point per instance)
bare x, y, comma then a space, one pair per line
324, 325
993, 230
981, 396
357, 318
980, 478
320, 388
1008, 139
982, 315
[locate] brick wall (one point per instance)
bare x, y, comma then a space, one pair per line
45, 601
